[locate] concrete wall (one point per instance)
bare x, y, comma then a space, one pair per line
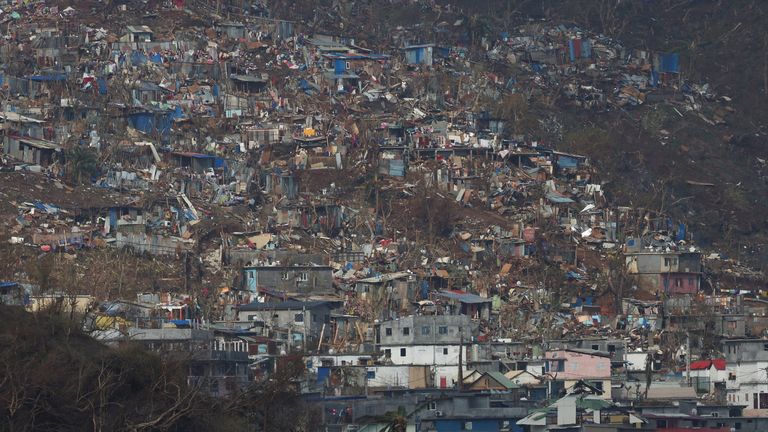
425, 329
423, 354
299, 279
579, 366
311, 321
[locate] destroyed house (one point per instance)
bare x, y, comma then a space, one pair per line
322, 217
462, 303
424, 54
12, 293
233, 30
32, 150
137, 34
196, 162
305, 279
346, 63
17, 124
152, 121
327, 43
249, 84
146, 92
280, 183
564, 161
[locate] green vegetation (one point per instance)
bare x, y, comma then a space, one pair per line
55, 377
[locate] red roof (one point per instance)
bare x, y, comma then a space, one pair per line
719, 364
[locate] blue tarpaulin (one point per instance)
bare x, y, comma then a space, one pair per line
322, 374
182, 323
48, 77
654, 78
397, 168
219, 163
339, 67
564, 161
156, 58
149, 122
680, 232
424, 290
102, 85
178, 113
668, 62
46, 208
571, 275
138, 58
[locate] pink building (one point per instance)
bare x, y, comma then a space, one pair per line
572, 365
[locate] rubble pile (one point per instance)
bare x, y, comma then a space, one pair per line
313, 188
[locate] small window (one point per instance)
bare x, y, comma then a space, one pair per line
370, 375
299, 317
285, 276
433, 406
445, 351
763, 400
402, 352
406, 331
442, 330
388, 331
425, 330
303, 277
611, 348
595, 347
731, 376
388, 353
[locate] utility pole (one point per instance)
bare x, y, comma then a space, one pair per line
688, 357
461, 359
305, 346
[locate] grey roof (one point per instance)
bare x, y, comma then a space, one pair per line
248, 78
150, 86
139, 29
559, 199
282, 305
464, 297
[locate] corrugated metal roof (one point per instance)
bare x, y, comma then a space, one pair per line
464, 297
283, 305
